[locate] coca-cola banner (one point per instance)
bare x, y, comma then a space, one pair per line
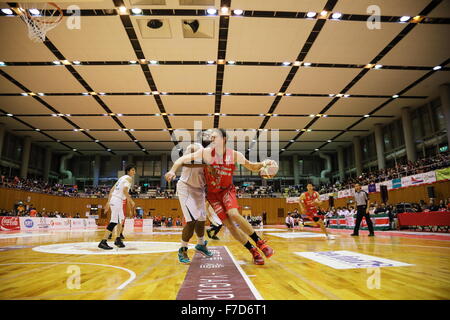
9, 223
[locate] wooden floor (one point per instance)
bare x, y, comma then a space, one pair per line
28, 274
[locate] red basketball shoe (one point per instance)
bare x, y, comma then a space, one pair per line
257, 257
268, 251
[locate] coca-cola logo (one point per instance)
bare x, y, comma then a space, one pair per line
9, 221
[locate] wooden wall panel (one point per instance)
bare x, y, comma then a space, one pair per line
171, 207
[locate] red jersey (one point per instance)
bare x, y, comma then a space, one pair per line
219, 174
309, 202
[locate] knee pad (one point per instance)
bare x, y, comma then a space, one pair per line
111, 226
315, 219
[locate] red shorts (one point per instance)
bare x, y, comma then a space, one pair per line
223, 201
313, 216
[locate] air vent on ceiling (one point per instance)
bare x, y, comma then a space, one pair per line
197, 2
147, 2
147, 32
198, 28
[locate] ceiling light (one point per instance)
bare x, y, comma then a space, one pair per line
153, 62
147, 93
366, 115
217, 114
369, 66
323, 13
378, 66
224, 10
395, 96
309, 130
101, 93
112, 114
122, 10
31, 93
336, 15
97, 140
287, 94
226, 93
286, 63
7, 11
56, 62
339, 95
75, 129
58, 140
329, 140
231, 62
136, 140
142, 61
312, 115
164, 114
155, 92
238, 12
68, 115
306, 64
54, 115
280, 93
324, 116
41, 94
346, 95
210, 62
37, 129
405, 18
66, 62
108, 150
220, 61
131, 129
297, 63
316, 149
133, 61
311, 14
85, 93
76, 62
34, 12
437, 68
93, 93
2, 63
210, 93
136, 10
9, 114
271, 94
163, 93
211, 11
119, 114
24, 94
283, 149
74, 150
331, 95
143, 150
291, 140
275, 115
157, 114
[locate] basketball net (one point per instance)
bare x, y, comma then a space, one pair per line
49, 16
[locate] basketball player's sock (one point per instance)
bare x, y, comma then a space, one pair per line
248, 245
184, 244
255, 237
201, 241
217, 229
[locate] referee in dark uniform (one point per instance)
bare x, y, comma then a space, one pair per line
362, 210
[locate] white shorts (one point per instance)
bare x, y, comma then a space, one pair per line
192, 202
117, 214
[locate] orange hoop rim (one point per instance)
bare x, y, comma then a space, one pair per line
35, 18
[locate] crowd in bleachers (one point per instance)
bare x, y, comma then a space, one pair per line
29, 210
400, 170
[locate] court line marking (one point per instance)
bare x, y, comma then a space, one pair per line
123, 285
246, 278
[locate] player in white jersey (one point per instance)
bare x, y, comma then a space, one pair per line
191, 194
117, 195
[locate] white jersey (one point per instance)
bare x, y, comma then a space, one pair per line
121, 184
193, 177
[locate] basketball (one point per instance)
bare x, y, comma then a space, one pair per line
269, 170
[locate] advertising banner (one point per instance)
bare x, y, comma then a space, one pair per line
292, 200
9, 223
443, 174
76, 224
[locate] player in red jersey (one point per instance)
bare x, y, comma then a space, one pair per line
309, 205
221, 193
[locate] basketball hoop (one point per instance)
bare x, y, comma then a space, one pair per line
40, 18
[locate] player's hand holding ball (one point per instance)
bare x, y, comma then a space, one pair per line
269, 169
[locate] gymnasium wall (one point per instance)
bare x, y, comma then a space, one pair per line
171, 207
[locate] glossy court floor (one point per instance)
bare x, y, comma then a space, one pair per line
42, 265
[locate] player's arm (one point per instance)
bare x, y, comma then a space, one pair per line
252, 166
196, 156
127, 195
302, 203
318, 201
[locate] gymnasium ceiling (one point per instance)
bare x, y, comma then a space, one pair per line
109, 105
